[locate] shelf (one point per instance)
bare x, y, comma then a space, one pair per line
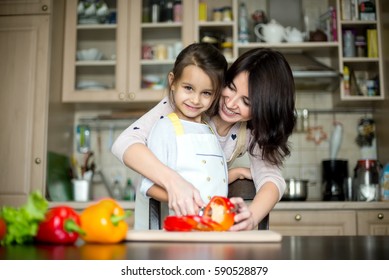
297, 47
96, 26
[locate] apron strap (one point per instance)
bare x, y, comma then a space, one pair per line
176, 123
240, 144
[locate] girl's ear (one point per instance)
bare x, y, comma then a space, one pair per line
171, 80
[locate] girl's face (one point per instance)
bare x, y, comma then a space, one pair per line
193, 93
234, 105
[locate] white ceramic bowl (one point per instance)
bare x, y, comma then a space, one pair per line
89, 54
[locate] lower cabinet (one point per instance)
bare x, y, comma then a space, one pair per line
373, 222
330, 222
310, 222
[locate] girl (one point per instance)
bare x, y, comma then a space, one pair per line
182, 140
257, 109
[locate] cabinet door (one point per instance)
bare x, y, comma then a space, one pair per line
313, 222
95, 55
24, 53
121, 71
18, 7
373, 222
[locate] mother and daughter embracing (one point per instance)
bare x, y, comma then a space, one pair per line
185, 145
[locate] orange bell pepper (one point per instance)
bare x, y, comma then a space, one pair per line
104, 222
222, 211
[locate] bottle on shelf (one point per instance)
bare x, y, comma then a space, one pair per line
243, 31
129, 191
346, 80
117, 190
367, 10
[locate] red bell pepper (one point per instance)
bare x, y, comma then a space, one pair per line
218, 216
61, 225
3, 229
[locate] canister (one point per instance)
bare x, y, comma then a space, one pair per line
348, 44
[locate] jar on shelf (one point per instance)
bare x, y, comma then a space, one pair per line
227, 13
217, 14
227, 49
360, 44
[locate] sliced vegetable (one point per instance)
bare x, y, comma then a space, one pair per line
22, 223
221, 210
61, 226
3, 229
218, 216
104, 222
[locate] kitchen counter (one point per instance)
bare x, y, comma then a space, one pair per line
282, 205
290, 248
331, 205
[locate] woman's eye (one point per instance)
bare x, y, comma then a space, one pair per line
246, 102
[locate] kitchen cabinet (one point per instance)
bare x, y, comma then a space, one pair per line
123, 74
363, 71
360, 54
373, 222
309, 222
23, 7
330, 218
24, 79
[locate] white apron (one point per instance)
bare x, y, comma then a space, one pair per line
201, 161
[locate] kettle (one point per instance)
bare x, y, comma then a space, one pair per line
271, 32
293, 35
366, 180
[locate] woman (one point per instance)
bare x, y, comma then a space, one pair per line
256, 108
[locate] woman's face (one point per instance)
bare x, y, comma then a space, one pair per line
234, 105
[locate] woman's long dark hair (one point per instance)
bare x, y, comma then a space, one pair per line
272, 98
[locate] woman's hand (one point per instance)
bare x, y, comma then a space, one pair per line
244, 219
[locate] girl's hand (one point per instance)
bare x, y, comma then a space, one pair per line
184, 198
244, 219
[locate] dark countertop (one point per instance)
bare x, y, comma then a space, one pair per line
290, 248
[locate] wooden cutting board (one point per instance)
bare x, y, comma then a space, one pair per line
201, 236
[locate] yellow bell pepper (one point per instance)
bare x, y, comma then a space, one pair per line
104, 222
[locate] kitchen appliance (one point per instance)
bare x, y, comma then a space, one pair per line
334, 171
296, 190
366, 180
334, 177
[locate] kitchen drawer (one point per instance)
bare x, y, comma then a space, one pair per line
373, 222
312, 222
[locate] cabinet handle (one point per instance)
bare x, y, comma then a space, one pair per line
380, 216
121, 95
297, 217
45, 8
38, 160
131, 95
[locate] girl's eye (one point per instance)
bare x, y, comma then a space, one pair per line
207, 93
188, 88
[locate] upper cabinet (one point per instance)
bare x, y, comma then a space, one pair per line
360, 52
135, 44
117, 52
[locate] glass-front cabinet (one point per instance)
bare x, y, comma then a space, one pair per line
115, 52
121, 51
